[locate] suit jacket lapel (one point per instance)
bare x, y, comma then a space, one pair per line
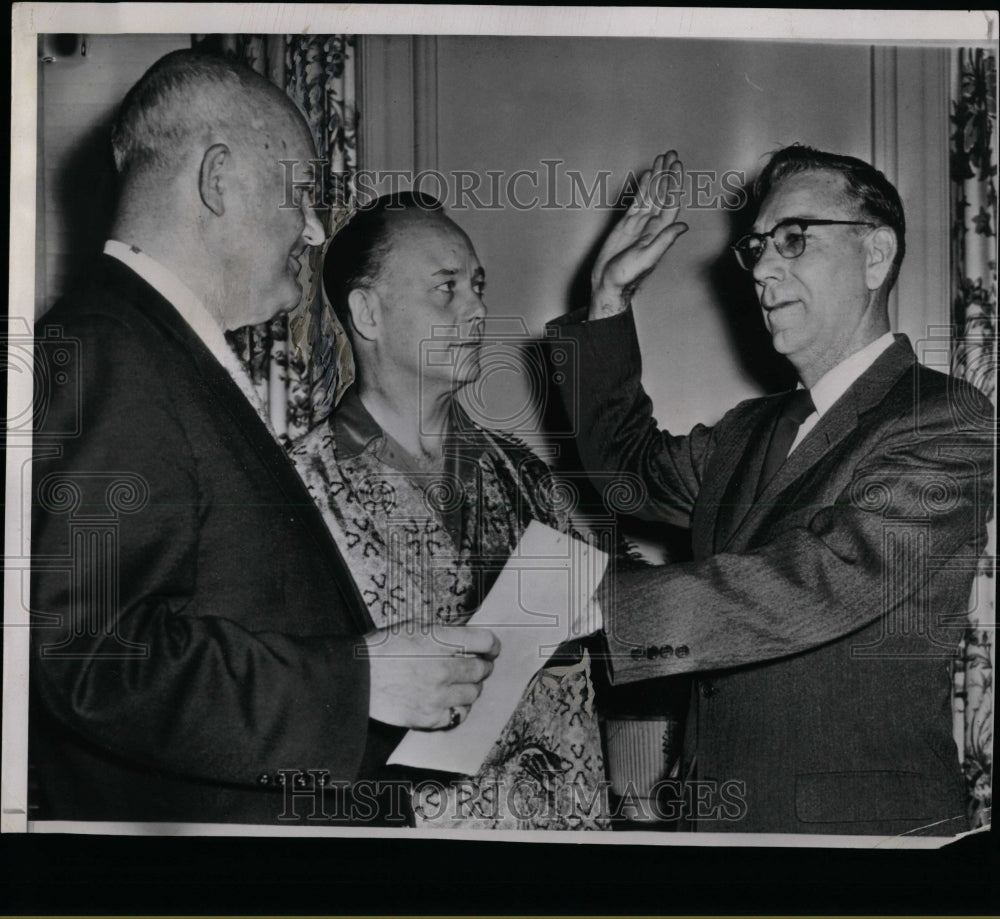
222, 390
842, 418
830, 430
729, 487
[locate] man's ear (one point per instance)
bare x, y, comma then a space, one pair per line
881, 250
212, 178
364, 305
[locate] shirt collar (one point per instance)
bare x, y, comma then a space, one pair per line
834, 383
192, 310
172, 288
354, 429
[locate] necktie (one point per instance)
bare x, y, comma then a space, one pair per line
798, 406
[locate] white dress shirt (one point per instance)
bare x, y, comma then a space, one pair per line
192, 311
834, 383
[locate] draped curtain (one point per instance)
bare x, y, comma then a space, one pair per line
301, 363
973, 164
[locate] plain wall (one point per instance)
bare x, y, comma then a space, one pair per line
78, 98
510, 103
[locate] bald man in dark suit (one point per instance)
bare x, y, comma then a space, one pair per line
199, 643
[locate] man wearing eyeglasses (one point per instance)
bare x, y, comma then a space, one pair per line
835, 529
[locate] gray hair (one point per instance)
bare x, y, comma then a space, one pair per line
184, 96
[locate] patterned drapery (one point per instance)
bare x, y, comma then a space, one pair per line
974, 304
301, 363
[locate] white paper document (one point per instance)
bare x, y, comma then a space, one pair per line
542, 598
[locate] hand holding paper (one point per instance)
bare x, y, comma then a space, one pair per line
542, 598
417, 679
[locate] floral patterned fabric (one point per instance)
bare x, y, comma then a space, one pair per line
301, 363
424, 547
974, 290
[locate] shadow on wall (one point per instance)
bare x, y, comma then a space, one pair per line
736, 298
85, 194
733, 294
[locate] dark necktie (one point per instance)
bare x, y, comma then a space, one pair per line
797, 407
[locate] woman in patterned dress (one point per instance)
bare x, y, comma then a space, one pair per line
427, 505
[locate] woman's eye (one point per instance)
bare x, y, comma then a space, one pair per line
479, 287
447, 286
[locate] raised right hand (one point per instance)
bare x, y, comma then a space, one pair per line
417, 679
640, 238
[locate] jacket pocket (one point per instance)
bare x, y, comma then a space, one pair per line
861, 797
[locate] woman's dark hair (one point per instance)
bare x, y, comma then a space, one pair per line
870, 191
357, 252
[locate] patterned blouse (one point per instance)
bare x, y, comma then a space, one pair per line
425, 546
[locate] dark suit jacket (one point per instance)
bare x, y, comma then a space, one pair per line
196, 630
817, 616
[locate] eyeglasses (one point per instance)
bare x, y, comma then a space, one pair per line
789, 239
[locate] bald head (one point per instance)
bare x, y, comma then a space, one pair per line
202, 145
189, 100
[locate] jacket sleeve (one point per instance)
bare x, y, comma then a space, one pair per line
901, 543
641, 470
126, 653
